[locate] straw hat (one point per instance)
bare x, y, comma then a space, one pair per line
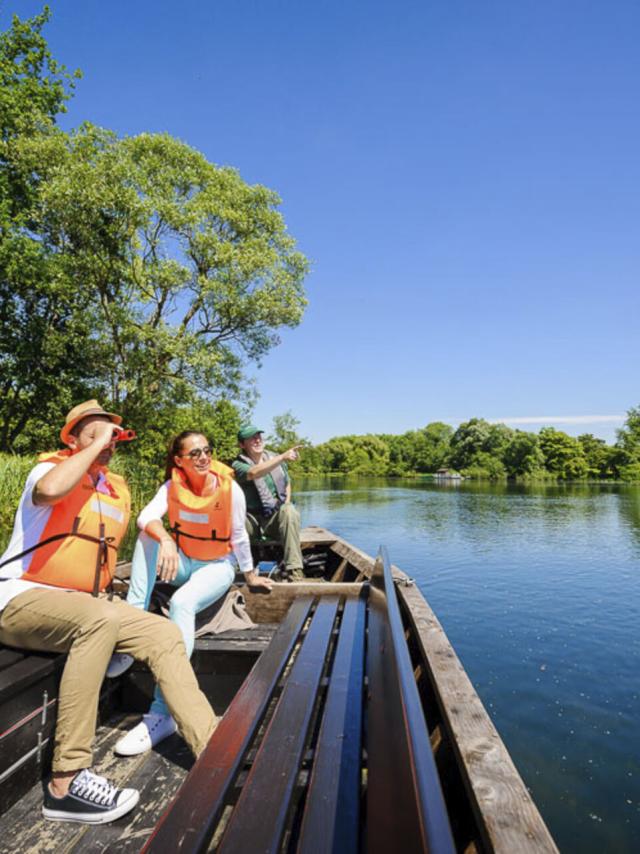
82, 410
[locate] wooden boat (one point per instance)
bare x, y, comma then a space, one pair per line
348, 724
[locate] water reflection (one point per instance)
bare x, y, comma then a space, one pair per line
539, 590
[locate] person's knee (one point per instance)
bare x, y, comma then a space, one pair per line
289, 514
101, 618
180, 608
171, 635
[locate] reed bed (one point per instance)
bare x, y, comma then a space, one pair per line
143, 481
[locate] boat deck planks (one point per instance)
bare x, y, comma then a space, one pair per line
488, 804
159, 774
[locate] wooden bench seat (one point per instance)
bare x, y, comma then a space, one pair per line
324, 748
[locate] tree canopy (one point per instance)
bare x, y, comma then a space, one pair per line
479, 449
131, 269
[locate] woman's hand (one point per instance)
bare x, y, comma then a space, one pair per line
255, 581
167, 565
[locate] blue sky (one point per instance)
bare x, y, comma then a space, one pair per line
463, 175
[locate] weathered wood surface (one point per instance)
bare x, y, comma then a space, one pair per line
362, 562
506, 818
503, 806
271, 607
28, 691
189, 823
412, 808
275, 769
238, 640
157, 774
19, 669
331, 820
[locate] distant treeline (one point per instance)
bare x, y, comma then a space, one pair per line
478, 449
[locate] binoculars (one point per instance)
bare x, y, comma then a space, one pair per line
125, 436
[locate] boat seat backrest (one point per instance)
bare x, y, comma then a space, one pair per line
317, 751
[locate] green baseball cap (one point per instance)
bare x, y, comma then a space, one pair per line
247, 431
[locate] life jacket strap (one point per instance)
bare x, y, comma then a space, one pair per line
175, 530
108, 542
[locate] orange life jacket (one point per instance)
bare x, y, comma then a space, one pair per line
201, 524
79, 543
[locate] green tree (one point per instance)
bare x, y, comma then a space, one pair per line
469, 439
130, 269
367, 455
284, 435
191, 269
484, 466
563, 455
601, 459
431, 447
523, 455
627, 456
44, 322
477, 437
629, 435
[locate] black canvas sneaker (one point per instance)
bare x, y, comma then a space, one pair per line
90, 799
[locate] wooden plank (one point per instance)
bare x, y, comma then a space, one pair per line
506, 814
357, 558
338, 575
9, 656
271, 607
22, 737
404, 797
240, 640
190, 821
316, 536
274, 772
363, 562
25, 829
157, 778
29, 669
331, 821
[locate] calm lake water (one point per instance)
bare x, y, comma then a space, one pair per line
538, 589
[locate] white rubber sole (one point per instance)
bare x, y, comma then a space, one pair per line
121, 809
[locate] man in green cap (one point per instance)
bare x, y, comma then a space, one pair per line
264, 479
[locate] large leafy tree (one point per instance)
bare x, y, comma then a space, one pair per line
42, 319
564, 455
476, 440
191, 270
133, 269
627, 458
523, 455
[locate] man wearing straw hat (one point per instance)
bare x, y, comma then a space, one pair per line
54, 596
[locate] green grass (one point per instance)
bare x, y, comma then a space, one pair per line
143, 482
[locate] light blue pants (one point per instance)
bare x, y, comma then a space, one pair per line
201, 584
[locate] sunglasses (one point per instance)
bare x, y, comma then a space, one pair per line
196, 453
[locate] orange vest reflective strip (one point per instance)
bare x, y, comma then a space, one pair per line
201, 524
83, 532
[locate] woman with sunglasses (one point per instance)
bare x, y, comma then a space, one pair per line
207, 513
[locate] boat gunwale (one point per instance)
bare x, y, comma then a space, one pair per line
493, 784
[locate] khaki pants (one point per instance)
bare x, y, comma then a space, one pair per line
283, 526
90, 629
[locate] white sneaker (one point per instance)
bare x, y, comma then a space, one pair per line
151, 730
120, 662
